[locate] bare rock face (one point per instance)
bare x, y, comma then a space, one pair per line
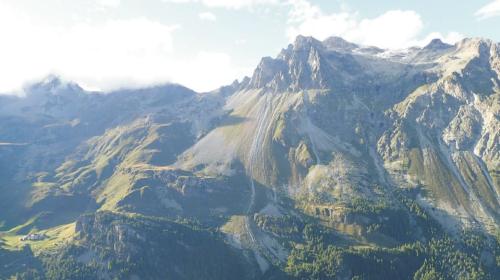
331, 120
464, 129
439, 134
300, 66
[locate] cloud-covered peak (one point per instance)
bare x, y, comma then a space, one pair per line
53, 84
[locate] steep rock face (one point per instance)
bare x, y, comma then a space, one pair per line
331, 121
303, 65
441, 136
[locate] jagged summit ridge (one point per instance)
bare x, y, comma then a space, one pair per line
311, 64
437, 44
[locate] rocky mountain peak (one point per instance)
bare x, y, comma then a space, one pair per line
300, 66
306, 43
53, 85
338, 43
478, 46
266, 72
437, 44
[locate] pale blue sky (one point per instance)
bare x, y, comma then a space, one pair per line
202, 44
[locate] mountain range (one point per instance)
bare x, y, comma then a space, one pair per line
333, 161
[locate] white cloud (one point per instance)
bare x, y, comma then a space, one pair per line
208, 70
393, 29
179, 1
490, 10
208, 16
229, 4
240, 42
108, 3
108, 55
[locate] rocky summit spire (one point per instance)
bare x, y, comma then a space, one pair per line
338, 43
437, 44
301, 66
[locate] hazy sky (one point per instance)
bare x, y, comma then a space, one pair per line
203, 44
